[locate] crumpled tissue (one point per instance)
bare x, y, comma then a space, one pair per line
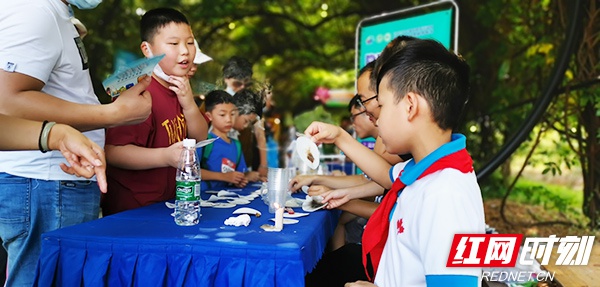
239, 220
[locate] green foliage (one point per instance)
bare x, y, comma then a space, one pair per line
511, 54
298, 46
550, 196
286, 40
303, 120
558, 198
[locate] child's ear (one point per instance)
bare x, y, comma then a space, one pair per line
209, 116
144, 46
412, 105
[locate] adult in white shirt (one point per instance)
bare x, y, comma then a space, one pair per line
44, 76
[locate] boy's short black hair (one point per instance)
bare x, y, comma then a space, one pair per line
427, 68
390, 49
158, 18
367, 68
237, 68
217, 97
248, 102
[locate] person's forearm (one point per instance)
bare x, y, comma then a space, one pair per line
135, 157
263, 157
19, 134
261, 142
212, 175
337, 182
360, 207
34, 105
366, 190
369, 162
21, 97
22, 134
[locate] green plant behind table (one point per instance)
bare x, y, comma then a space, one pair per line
555, 197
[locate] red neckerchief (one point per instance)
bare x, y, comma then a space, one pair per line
376, 230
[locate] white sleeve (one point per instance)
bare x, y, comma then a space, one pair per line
31, 42
396, 169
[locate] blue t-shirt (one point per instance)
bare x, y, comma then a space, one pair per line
223, 157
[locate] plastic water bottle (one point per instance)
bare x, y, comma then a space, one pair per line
187, 190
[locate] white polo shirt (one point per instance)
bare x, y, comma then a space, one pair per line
39, 40
427, 214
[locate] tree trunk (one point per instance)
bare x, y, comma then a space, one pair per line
587, 61
591, 172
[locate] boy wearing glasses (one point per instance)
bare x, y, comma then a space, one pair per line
422, 91
363, 127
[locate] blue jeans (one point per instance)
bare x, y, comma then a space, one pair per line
30, 207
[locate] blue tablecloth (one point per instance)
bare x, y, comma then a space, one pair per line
144, 247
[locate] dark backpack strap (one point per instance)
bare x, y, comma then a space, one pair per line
238, 147
206, 150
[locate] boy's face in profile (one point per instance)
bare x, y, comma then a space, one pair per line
361, 122
176, 41
244, 121
222, 117
367, 96
392, 122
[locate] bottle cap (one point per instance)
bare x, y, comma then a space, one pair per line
189, 142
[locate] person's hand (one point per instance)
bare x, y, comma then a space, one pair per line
234, 177
299, 181
262, 171
172, 153
134, 105
322, 132
314, 190
182, 88
252, 176
336, 198
84, 156
262, 178
359, 284
242, 183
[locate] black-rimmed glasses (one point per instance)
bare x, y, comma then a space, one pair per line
353, 117
371, 98
361, 103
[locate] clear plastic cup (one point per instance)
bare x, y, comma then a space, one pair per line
277, 186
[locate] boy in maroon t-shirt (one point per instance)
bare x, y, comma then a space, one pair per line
142, 158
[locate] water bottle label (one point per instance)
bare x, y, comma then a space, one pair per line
187, 190
197, 190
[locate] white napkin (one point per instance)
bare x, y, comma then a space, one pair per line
239, 220
225, 193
